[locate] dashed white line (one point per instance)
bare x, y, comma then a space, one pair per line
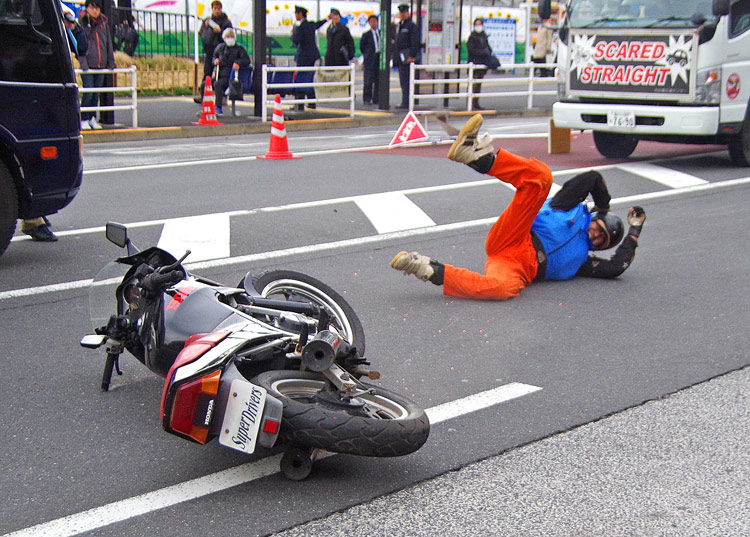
207, 236
128, 508
360, 241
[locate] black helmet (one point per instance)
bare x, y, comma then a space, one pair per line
612, 227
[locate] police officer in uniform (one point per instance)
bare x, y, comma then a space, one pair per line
303, 37
406, 50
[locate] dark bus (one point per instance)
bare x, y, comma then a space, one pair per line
41, 163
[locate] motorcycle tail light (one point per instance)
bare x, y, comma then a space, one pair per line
196, 346
271, 426
192, 407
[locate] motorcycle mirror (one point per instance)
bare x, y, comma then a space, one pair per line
117, 234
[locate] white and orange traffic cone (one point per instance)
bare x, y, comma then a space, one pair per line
278, 148
208, 112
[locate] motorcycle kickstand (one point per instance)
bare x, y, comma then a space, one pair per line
297, 462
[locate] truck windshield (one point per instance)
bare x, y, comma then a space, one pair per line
639, 13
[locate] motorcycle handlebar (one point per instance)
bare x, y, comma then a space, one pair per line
156, 282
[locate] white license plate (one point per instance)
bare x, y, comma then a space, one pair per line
616, 118
244, 414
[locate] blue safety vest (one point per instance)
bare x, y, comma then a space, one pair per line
564, 235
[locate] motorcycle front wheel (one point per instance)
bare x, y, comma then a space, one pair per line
298, 287
375, 424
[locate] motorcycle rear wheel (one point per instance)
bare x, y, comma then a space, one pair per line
386, 424
296, 286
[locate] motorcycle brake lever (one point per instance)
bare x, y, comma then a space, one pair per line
173, 266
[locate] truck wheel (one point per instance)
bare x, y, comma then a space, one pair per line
8, 207
739, 146
614, 145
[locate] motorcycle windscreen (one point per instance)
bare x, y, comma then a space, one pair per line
103, 301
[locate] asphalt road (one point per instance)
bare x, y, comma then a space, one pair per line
590, 349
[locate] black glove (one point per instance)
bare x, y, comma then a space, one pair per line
636, 218
600, 211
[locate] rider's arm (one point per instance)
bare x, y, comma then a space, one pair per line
596, 267
577, 189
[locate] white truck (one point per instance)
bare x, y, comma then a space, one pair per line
663, 70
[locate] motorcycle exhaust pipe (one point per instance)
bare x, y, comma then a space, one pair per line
320, 353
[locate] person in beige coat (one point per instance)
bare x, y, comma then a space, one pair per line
543, 45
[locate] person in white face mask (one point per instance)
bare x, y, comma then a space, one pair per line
480, 53
227, 56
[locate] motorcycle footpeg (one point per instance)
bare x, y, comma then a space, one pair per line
93, 341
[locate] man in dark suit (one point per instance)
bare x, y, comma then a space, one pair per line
340, 46
406, 50
369, 46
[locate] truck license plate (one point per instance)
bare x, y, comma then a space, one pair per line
617, 118
244, 414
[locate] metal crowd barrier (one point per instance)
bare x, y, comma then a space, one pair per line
530, 80
133, 106
273, 86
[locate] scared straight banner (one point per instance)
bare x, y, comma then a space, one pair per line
659, 65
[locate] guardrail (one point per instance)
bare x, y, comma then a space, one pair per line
530, 80
133, 106
284, 87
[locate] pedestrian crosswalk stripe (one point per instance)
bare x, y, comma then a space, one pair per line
392, 211
660, 174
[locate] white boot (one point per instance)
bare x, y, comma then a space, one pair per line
469, 146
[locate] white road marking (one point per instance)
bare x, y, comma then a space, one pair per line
224, 160
478, 401
128, 508
206, 236
392, 211
662, 175
397, 235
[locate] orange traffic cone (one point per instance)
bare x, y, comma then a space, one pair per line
278, 148
208, 112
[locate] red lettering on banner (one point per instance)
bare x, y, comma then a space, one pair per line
650, 78
619, 75
599, 50
663, 72
640, 75
629, 50
637, 76
586, 74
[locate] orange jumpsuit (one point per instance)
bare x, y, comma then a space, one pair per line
511, 257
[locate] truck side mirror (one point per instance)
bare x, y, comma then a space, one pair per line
544, 9
720, 7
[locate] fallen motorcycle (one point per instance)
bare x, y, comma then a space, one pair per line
277, 360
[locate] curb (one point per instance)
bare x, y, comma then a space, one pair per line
367, 119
